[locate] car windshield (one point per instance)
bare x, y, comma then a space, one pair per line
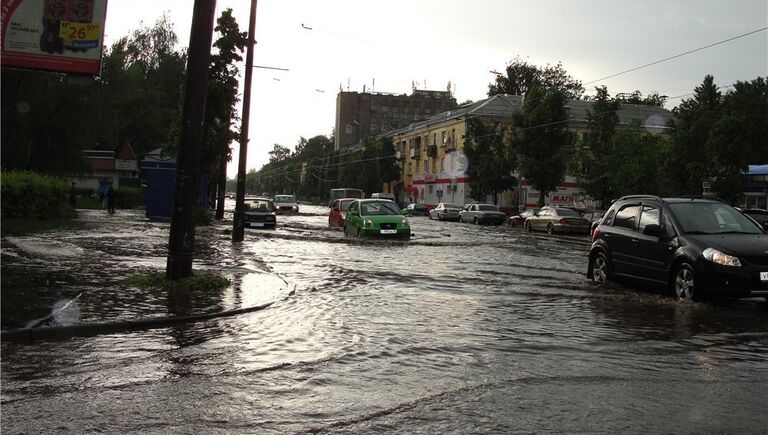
344, 205
382, 208
450, 205
712, 218
285, 198
487, 208
259, 205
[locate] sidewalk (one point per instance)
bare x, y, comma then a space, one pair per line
94, 259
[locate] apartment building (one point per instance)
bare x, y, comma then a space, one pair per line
370, 114
433, 165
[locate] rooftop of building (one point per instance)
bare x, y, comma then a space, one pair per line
502, 106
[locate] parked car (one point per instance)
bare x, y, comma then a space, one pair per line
695, 246
338, 212
518, 220
260, 213
286, 204
557, 220
445, 212
594, 217
376, 218
416, 209
761, 216
482, 214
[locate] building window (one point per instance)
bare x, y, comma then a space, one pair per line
442, 138
426, 166
434, 139
410, 168
431, 188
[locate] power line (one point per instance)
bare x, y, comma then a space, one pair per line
676, 56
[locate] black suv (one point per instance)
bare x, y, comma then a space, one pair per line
694, 245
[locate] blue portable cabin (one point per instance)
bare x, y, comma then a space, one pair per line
159, 182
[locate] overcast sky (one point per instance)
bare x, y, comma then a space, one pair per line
388, 45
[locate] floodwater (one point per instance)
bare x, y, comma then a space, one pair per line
464, 329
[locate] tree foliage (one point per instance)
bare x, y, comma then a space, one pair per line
520, 77
314, 168
491, 161
539, 138
135, 101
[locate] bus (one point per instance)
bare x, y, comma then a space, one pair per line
345, 192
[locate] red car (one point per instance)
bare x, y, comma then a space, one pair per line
338, 212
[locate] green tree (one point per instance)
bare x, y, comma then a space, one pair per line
522, 76
689, 161
491, 161
539, 137
740, 137
597, 147
279, 154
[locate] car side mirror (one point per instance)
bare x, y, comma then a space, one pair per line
652, 230
298, 202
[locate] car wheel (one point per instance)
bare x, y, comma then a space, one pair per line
527, 226
475, 221
684, 282
344, 230
600, 269
550, 229
359, 232
439, 217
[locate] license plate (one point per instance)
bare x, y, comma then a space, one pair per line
763, 276
256, 224
388, 231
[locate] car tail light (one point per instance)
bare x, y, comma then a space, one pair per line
564, 221
596, 233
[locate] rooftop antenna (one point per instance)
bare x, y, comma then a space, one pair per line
449, 87
347, 84
413, 86
373, 86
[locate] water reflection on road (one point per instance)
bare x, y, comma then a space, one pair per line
462, 329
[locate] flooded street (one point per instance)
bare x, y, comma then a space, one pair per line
464, 329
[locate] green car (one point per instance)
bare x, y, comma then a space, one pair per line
376, 218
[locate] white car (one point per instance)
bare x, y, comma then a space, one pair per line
445, 212
286, 204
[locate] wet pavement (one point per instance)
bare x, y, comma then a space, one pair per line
464, 329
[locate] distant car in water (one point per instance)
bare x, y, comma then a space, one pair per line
594, 217
518, 220
286, 204
416, 209
445, 212
376, 218
482, 214
338, 212
557, 220
260, 213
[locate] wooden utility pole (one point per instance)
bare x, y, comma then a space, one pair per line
182, 239
238, 226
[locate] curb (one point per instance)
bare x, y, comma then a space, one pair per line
29, 336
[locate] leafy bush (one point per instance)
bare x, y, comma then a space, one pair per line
30, 195
128, 197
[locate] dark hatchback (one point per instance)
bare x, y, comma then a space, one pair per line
695, 246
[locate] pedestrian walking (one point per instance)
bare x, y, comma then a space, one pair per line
110, 196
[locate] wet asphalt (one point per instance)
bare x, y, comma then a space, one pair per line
463, 329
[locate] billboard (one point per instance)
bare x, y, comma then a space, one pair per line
54, 35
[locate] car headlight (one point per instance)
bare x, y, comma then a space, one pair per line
295, 207
367, 223
405, 221
718, 257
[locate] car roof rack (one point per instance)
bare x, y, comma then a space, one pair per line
640, 197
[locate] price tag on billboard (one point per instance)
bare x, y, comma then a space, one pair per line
80, 35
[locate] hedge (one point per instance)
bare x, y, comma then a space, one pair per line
30, 195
